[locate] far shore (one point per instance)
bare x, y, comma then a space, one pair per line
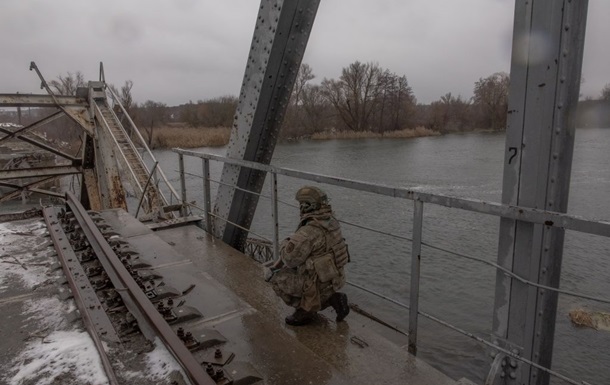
399, 134
194, 137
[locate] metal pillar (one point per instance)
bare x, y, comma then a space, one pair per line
90, 192
280, 37
207, 200
548, 42
112, 193
418, 219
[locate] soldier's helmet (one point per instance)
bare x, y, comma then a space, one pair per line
311, 198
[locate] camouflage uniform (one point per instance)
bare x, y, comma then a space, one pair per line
314, 258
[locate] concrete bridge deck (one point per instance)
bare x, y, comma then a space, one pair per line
325, 352
237, 303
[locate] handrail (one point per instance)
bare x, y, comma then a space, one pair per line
525, 214
546, 218
129, 142
101, 117
139, 135
504, 270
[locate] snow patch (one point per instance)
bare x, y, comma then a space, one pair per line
23, 253
159, 362
48, 312
70, 354
10, 125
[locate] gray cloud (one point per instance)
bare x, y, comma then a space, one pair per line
176, 51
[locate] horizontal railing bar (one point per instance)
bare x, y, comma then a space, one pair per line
470, 335
517, 277
389, 299
296, 207
228, 221
240, 189
532, 215
375, 231
481, 260
189, 173
505, 351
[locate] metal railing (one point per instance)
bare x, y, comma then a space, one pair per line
158, 175
546, 218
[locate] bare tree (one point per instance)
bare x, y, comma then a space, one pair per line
304, 76
67, 85
154, 112
356, 94
317, 114
294, 124
450, 114
491, 99
396, 102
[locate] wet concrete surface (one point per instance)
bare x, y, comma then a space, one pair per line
325, 352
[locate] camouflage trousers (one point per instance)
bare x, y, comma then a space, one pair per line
303, 289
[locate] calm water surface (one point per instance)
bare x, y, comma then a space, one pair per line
454, 289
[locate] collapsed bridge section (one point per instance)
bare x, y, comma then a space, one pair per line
112, 153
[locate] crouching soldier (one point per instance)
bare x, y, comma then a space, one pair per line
310, 272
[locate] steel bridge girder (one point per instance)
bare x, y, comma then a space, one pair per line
278, 44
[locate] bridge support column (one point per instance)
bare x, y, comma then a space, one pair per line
280, 37
545, 74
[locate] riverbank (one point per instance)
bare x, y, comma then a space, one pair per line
416, 132
194, 137
189, 137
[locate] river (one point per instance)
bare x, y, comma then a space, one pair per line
454, 289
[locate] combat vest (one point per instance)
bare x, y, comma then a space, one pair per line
329, 262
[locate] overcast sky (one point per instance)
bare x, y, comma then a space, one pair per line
181, 50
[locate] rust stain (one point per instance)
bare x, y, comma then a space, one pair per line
117, 194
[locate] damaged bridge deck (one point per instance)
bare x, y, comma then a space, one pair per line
241, 310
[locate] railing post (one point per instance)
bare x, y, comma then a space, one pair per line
418, 217
276, 242
182, 184
207, 205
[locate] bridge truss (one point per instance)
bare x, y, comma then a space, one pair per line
110, 156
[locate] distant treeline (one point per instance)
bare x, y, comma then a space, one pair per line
365, 98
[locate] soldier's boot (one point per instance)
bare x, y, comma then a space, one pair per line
339, 302
300, 317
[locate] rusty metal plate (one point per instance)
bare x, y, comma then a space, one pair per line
79, 283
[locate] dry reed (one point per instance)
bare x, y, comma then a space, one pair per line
190, 137
581, 317
593, 319
406, 133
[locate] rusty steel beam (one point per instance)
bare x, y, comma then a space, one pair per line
47, 192
149, 319
18, 189
21, 100
280, 36
82, 117
38, 172
96, 321
39, 123
41, 145
110, 186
